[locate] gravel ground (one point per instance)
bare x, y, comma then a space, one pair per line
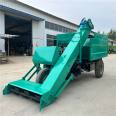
86, 96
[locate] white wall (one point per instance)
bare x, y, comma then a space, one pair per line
52, 32
2, 23
38, 33
2, 31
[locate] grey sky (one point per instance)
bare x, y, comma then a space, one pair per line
102, 12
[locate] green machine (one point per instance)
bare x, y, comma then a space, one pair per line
74, 53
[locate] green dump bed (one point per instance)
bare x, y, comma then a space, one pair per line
95, 47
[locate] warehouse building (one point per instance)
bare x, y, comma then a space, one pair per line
34, 27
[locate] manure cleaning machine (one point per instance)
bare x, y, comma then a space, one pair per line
73, 53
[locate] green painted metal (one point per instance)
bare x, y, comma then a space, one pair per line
65, 38
59, 76
46, 55
94, 48
26, 85
35, 69
28, 72
64, 85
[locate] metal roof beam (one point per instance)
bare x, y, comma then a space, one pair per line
19, 13
16, 26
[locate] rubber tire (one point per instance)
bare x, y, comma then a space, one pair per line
99, 68
42, 75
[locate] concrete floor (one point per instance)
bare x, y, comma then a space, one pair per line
86, 96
